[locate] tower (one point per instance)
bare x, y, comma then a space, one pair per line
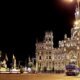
48, 50
75, 36
44, 52
76, 28
49, 39
77, 18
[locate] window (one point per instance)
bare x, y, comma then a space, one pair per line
42, 53
50, 63
49, 57
46, 39
49, 53
46, 57
49, 39
47, 64
63, 63
39, 57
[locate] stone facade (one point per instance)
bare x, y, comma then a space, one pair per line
69, 49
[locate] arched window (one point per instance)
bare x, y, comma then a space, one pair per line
39, 57
50, 53
46, 57
49, 57
49, 39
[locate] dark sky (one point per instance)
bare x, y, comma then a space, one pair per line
24, 22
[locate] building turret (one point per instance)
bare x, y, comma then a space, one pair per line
77, 17
49, 39
6, 57
65, 36
76, 28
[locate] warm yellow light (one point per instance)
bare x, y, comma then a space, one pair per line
78, 0
77, 22
77, 12
68, 1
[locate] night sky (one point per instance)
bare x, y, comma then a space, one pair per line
24, 22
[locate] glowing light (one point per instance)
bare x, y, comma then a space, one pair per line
77, 22
69, 1
77, 12
78, 0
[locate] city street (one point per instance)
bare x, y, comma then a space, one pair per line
38, 76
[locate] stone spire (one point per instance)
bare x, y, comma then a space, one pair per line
65, 36
14, 61
49, 39
76, 27
6, 57
77, 16
29, 59
77, 13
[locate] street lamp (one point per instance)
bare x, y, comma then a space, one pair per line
68, 1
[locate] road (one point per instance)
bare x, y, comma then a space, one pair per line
38, 76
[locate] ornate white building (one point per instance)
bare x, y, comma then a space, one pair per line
69, 49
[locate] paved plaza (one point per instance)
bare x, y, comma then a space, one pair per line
38, 76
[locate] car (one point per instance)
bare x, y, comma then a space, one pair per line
72, 70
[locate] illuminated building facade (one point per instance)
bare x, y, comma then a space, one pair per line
68, 51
